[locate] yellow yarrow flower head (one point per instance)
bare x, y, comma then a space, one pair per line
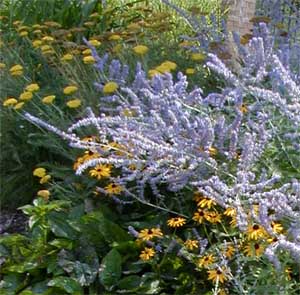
67, 57
190, 71
23, 34
19, 105
32, 87
110, 87
87, 51
37, 43
16, 70
39, 172
48, 39
45, 194
70, 89
48, 99
198, 56
73, 103
9, 102
27, 95
2, 65
114, 37
89, 60
153, 72
45, 179
95, 42
140, 49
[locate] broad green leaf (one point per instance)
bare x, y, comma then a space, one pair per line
111, 268
60, 227
129, 283
67, 284
84, 274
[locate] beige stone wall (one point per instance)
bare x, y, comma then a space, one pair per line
241, 11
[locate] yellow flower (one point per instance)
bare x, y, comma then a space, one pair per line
46, 48
36, 32
9, 102
2, 65
213, 217
48, 39
254, 249
45, 179
277, 227
140, 49
191, 244
114, 37
212, 151
70, 89
255, 232
48, 99
16, 70
110, 87
94, 43
148, 234
153, 72
39, 172
32, 87
101, 171
37, 43
217, 275
169, 64
176, 222
117, 48
229, 251
243, 108
89, 60
19, 105
206, 261
27, 95
67, 57
23, 34
147, 254
113, 189
200, 216
44, 194
206, 202
87, 51
190, 71
231, 212
73, 103
198, 56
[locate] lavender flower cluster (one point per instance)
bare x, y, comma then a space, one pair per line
176, 137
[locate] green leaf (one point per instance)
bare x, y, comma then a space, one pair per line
110, 269
129, 283
67, 284
60, 227
62, 244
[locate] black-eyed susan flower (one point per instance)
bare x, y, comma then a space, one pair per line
176, 222
48, 99
147, 254
200, 216
191, 244
229, 251
113, 189
206, 203
255, 232
277, 227
148, 234
32, 87
73, 103
206, 261
230, 212
110, 87
217, 275
213, 217
70, 89
101, 171
140, 49
9, 102
254, 249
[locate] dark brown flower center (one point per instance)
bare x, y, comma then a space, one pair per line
256, 246
255, 227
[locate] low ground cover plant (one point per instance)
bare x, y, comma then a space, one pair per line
166, 175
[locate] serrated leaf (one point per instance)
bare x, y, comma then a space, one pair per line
110, 269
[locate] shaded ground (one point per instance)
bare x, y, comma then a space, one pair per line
12, 222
